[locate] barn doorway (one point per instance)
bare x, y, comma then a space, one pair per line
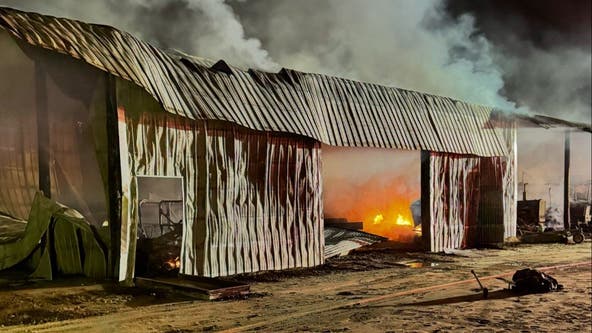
375, 190
161, 214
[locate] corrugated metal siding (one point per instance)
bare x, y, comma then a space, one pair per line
71, 95
510, 180
253, 199
469, 201
332, 110
490, 226
453, 201
19, 173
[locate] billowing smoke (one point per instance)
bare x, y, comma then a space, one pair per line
206, 28
542, 48
409, 44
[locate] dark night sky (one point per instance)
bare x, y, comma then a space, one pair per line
517, 27
545, 23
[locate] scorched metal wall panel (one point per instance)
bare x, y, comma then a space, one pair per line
253, 199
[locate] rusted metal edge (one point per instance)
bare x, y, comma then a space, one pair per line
195, 286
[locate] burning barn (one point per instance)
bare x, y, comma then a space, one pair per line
151, 142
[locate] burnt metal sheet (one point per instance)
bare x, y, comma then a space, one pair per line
523, 119
332, 110
203, 287
339, 241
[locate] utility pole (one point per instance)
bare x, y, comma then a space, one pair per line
523, 188
566, 162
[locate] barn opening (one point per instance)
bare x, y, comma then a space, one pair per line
378, 187
160, 225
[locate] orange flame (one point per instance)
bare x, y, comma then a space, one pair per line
403, 221
395, 223
378, 218
173, 263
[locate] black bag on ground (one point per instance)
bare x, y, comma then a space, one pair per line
531, 280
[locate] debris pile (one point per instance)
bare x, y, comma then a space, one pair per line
340, 241
532, 281
160, 255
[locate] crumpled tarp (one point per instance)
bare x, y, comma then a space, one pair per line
11, 228
56, 241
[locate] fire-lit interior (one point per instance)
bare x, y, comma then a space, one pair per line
160, 226
387, 214
379, 194
396, 225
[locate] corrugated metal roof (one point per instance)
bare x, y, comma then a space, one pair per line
502, 119
332, 110
339, 241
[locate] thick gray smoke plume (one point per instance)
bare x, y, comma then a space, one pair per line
543, 49
554, 82
206, 28
412, 44
409, 43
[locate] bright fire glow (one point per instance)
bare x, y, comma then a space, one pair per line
374, 186
378, 218
403, 221
417, 230
392, 220
395, 222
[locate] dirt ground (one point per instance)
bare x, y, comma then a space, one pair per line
371, 291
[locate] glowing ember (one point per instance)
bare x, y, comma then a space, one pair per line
417, 230
173, 263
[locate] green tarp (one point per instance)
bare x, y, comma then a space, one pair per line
56, 241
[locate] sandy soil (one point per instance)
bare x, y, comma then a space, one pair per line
372, 291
